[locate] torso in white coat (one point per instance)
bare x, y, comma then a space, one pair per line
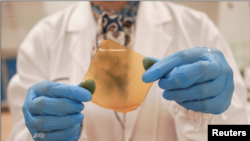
59, 49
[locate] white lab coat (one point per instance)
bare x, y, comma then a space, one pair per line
59, 49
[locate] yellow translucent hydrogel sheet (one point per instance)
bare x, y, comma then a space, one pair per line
117, 72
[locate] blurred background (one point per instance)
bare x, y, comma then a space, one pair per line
232, 19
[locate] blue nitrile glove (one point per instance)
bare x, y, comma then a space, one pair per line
52, 110
198, 79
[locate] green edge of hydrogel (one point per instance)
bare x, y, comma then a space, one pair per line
147, 63
88, 84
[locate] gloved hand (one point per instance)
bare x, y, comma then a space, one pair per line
52, 110
198, 79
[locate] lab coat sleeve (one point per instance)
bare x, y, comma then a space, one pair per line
32, 67
191, 125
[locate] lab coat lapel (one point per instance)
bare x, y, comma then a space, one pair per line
150, 41
82, 31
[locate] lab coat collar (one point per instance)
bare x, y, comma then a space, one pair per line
81, 17
156, 13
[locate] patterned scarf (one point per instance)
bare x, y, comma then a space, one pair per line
116, 26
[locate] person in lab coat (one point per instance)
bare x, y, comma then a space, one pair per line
197, 86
